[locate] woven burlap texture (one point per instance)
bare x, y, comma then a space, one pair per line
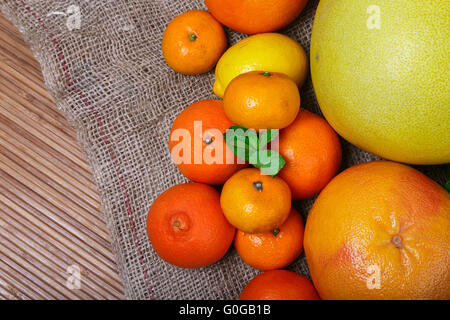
108, 77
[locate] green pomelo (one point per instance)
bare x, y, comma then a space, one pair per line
380, 70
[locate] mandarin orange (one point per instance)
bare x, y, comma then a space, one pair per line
193, 42
197, 145
279, 285
262, 100
312, 152
254, 202
272, 249
187, 228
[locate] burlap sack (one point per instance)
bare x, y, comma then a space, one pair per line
108, 77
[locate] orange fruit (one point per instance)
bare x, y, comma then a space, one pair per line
279, 285
262, 100
253, 202
380, 230
272, 249
193, 42
197, 144
255, 16
187, 228
312, 152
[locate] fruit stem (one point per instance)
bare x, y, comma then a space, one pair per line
258, 186
397, 240
192, 37
266, 74
276, 231
208, 140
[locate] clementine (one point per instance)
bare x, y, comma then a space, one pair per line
197, 144
380, 230
262, 100
272, 249
187, 228
279, 285
193, 42
255, 16
312, 152
253, 202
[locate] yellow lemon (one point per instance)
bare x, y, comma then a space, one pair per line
271, 52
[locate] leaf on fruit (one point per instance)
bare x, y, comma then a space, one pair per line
241, 141
267, 136
269, 162
246, 145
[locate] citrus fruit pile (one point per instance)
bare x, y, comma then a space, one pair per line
377, 230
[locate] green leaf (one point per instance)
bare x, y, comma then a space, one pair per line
447, 186
246, 145
241, 153
253, 158
241, 141
249, 135
270, 162
267, 136
253, 139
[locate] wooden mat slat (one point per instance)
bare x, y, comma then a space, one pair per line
15, 40
13, 47
13, 292
52, 267
34, 203
57, 242
49, 205
10, 108
42, 114
21, 52
21, 139
52, 178
33, 78
57, 199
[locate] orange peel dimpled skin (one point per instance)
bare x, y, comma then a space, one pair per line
380, 230
255, 16
187, 228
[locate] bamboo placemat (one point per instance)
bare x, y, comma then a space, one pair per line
49, 206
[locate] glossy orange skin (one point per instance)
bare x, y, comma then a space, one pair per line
250, 16
266, 251
312, 152
187, 228
380, 230
186, 55
253, 211
262, 100
212, 116
279, 285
